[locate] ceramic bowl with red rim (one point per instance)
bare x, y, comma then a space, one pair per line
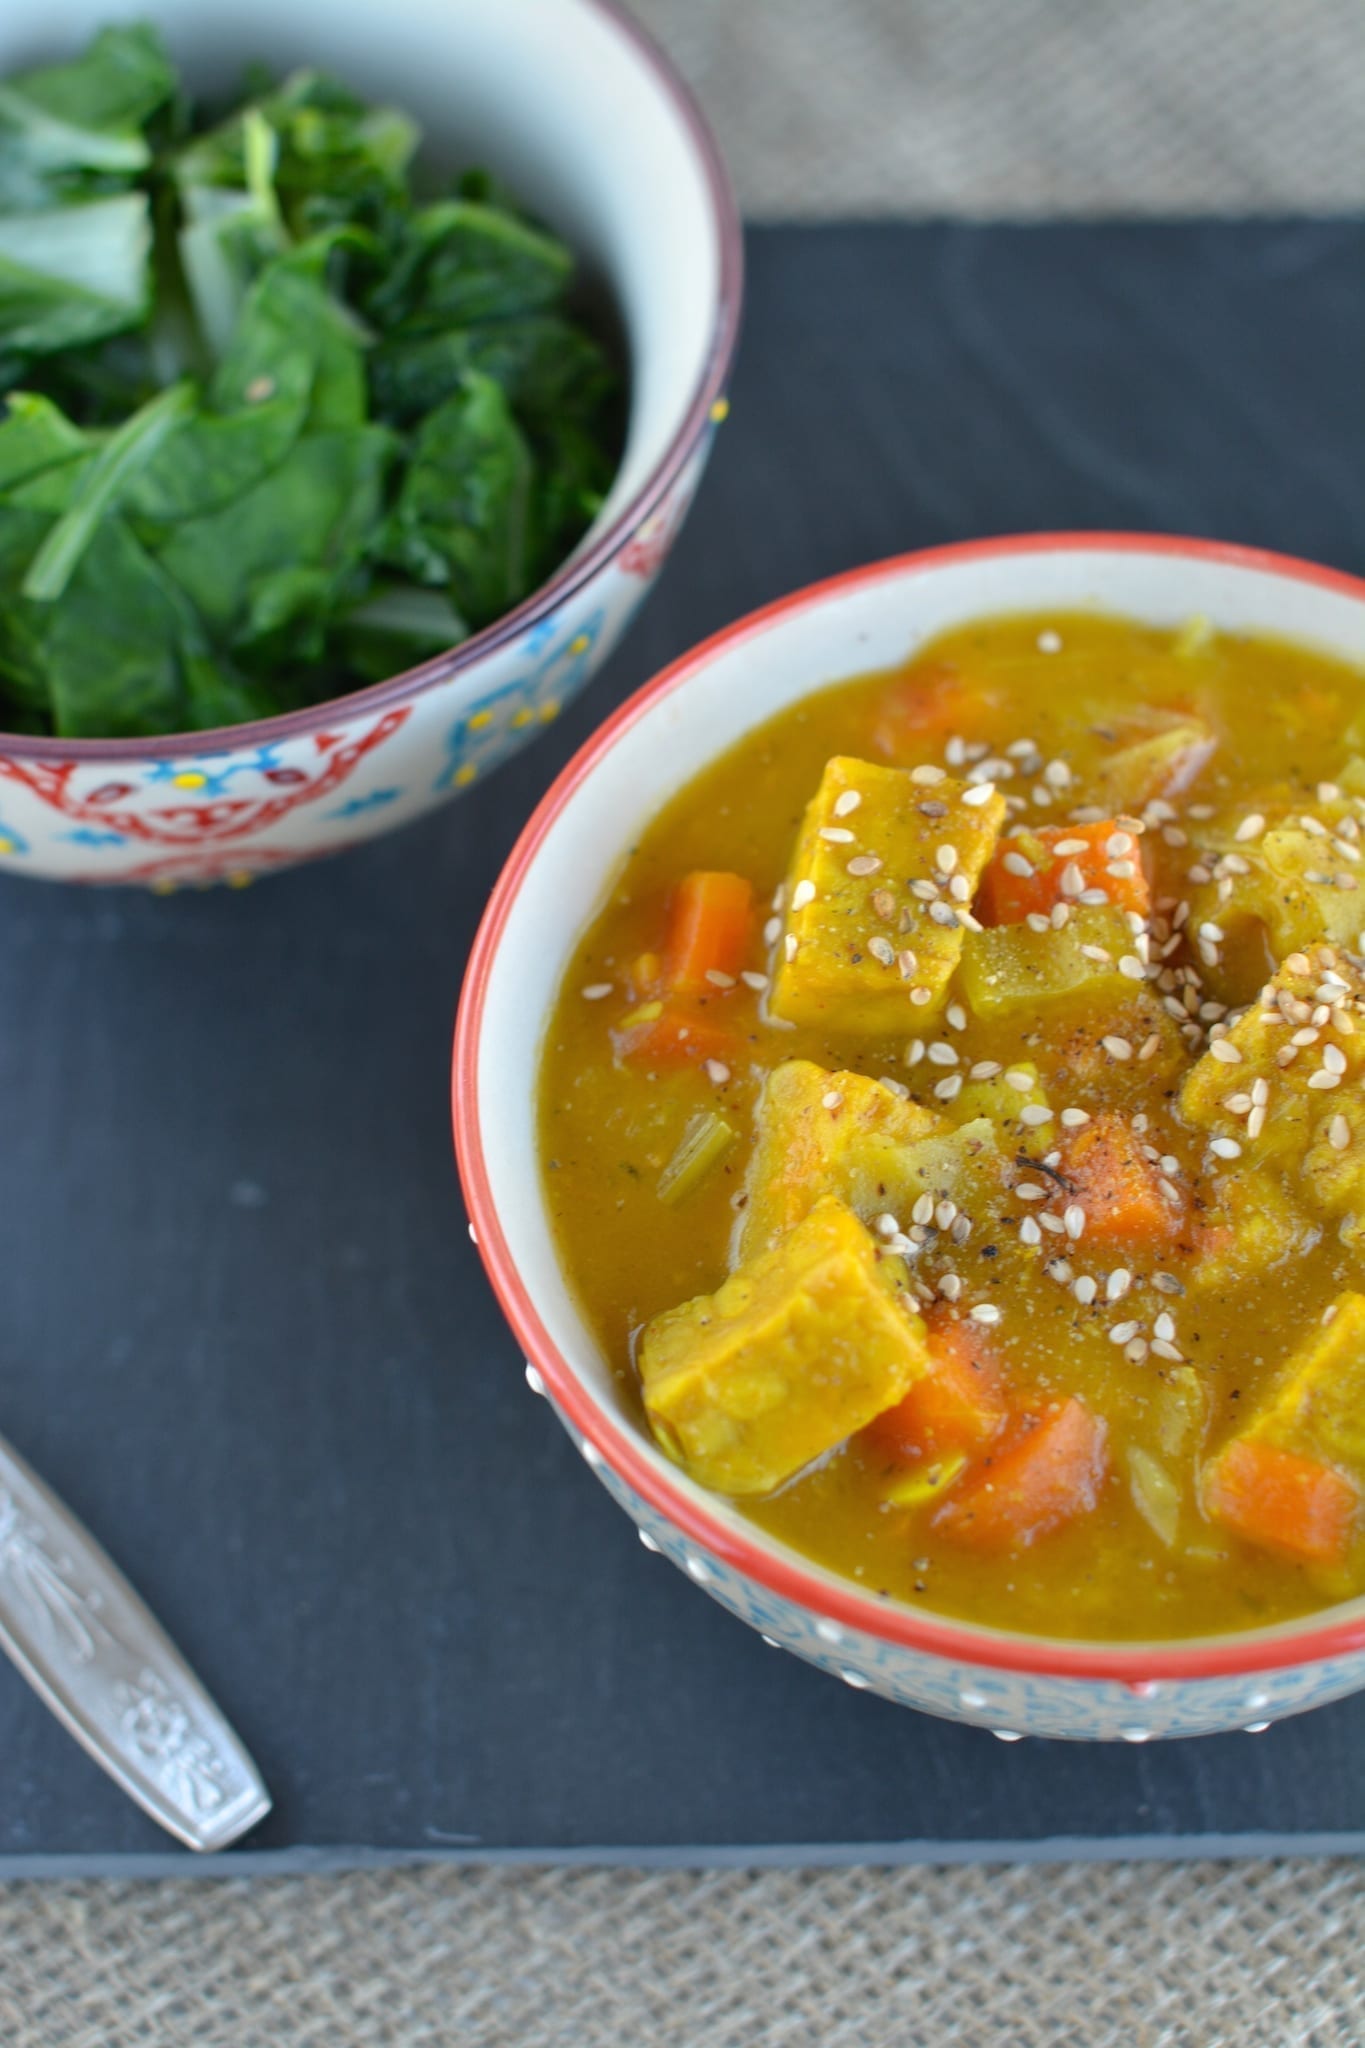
573, 107
555, 879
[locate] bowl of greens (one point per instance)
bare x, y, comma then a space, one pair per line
356, 372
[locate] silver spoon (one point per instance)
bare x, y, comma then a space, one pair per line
91, 1651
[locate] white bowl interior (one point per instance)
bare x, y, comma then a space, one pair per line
878, 622
553, 95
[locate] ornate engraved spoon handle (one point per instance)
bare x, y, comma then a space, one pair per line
93, 1653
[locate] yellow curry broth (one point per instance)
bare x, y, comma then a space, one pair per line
1280, 719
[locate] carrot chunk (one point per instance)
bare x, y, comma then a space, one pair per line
927, 704
709, 928
1032, 1485
958, 1405
1280, 1501
1118, 1186
672, 1036
1008, 893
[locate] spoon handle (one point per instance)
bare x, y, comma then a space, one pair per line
91, 1651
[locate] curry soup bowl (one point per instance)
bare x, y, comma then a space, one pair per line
562, 870
569, 103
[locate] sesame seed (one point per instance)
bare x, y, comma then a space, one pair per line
959, 888
1251, 827
942, 913
1085, 1288
1029, 1191
984, 1312
1117, 1048
888, 1226
1017, 1079
1052, 1223
1058, 1269
1073, 1220
1049, 642
961, 1230
946, 1214
882, 949
802, 894
1334, 1059
1064, 847
1123, 1333
928, 773
1132, 967
906, 963
789, 946
914, 1052
847, 802
924, 889
979, 793
1101, 955
956, 1016
1034, 1113
864, 864
1225, 1148
1150, 1046
1163, 1348
1260, 1091
950, 1286
1164, 1326
1136, 1351
919, 995
752, 979
942, 1054
595, 991
1171, 1193
719, 979
1166, 1283
1324, 1078
831, 1099
1238, 1105
717, 1071
1074, 1118
1223, 1049
1118, 844
772, 931
1072, 881
883, 903
1256, 1121
1339, 1132
946, 857
1057, 774
1029, 1233
1017, 864
946, 1090
1036, 922
1118, 1284
837, 835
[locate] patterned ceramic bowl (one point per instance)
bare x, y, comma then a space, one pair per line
561, 869
572, 105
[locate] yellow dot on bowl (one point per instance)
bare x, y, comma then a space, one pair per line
549, 711
163, 888
523, 717
240, 878
479, 720
580, 645
720, 410
6, 845
465, 774
189, 778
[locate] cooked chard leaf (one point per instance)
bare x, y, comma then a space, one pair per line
74, 274
35, 435
459, 262
398, 626
549, 368
463, 516
74, 128
97, 492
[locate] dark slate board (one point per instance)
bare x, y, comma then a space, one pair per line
244, 1333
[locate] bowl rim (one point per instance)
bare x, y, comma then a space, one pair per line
573, 574
776, 1568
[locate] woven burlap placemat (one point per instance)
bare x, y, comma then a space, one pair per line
825, 107
1195, 1955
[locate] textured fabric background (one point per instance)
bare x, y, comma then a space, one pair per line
987, 107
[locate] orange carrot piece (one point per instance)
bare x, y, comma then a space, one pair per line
959, 1404
1006, 898
1118, 1186
928, 703
709, 928
1280, 1501
673, 1037
1032, 1485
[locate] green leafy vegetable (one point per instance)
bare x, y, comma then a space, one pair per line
276, 426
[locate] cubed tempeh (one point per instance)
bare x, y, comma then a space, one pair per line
792, 1354
880, 884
